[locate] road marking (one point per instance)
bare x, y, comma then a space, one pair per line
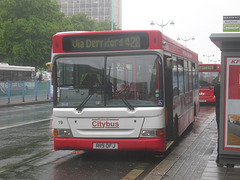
23, 124
133, 174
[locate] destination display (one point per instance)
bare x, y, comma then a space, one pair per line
207, 67
106, 42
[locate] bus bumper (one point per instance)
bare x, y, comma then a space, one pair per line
141, 144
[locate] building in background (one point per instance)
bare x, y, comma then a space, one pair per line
98, 10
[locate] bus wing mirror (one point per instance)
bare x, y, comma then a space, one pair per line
169, 63
49, 67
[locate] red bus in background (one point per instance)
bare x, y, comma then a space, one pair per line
208, 78
122, 90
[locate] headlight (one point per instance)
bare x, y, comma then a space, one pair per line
62, 132
152, 132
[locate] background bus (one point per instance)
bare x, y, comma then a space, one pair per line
208, 78
122, 90
16, 75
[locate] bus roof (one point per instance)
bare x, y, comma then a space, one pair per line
69, 32
210, 64
156, 40
175, 47
5, 66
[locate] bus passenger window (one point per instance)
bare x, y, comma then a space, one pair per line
190, 76
175, 79
186, 76
194, 76
180, 77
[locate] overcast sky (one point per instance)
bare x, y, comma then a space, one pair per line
198, 18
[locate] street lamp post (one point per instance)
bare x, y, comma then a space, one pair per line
162, 25
112, 17
208, 56
186, 39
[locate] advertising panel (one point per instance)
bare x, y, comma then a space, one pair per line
232, 104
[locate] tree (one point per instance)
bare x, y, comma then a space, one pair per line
26, 29
77, 22
104, 25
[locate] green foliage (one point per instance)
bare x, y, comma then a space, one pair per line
104, 25
80, 22
27, 27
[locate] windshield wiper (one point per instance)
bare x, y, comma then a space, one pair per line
80, 107
127, 103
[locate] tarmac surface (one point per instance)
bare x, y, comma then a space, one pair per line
193, 157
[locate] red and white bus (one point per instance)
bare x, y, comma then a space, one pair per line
122, 90
208, 78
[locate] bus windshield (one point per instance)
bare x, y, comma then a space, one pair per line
109, 81
208, 79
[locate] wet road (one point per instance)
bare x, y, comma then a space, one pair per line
25, 135
26, 148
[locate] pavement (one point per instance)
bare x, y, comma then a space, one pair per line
192, 158
26, 101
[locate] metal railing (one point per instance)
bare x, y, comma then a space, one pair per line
30, 90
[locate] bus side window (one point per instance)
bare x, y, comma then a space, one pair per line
180, 76
190, 76
194, 76
175, 78
186, 76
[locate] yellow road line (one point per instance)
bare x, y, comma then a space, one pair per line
133, 174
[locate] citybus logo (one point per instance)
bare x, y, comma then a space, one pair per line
105, 123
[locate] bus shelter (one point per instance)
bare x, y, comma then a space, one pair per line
229, 129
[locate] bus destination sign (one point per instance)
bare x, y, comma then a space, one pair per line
207, 67
105, 42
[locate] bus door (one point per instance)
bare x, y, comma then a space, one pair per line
169, 97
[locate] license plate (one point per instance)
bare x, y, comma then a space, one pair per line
105, 145
203, 101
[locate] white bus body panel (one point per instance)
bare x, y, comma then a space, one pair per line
108, 122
